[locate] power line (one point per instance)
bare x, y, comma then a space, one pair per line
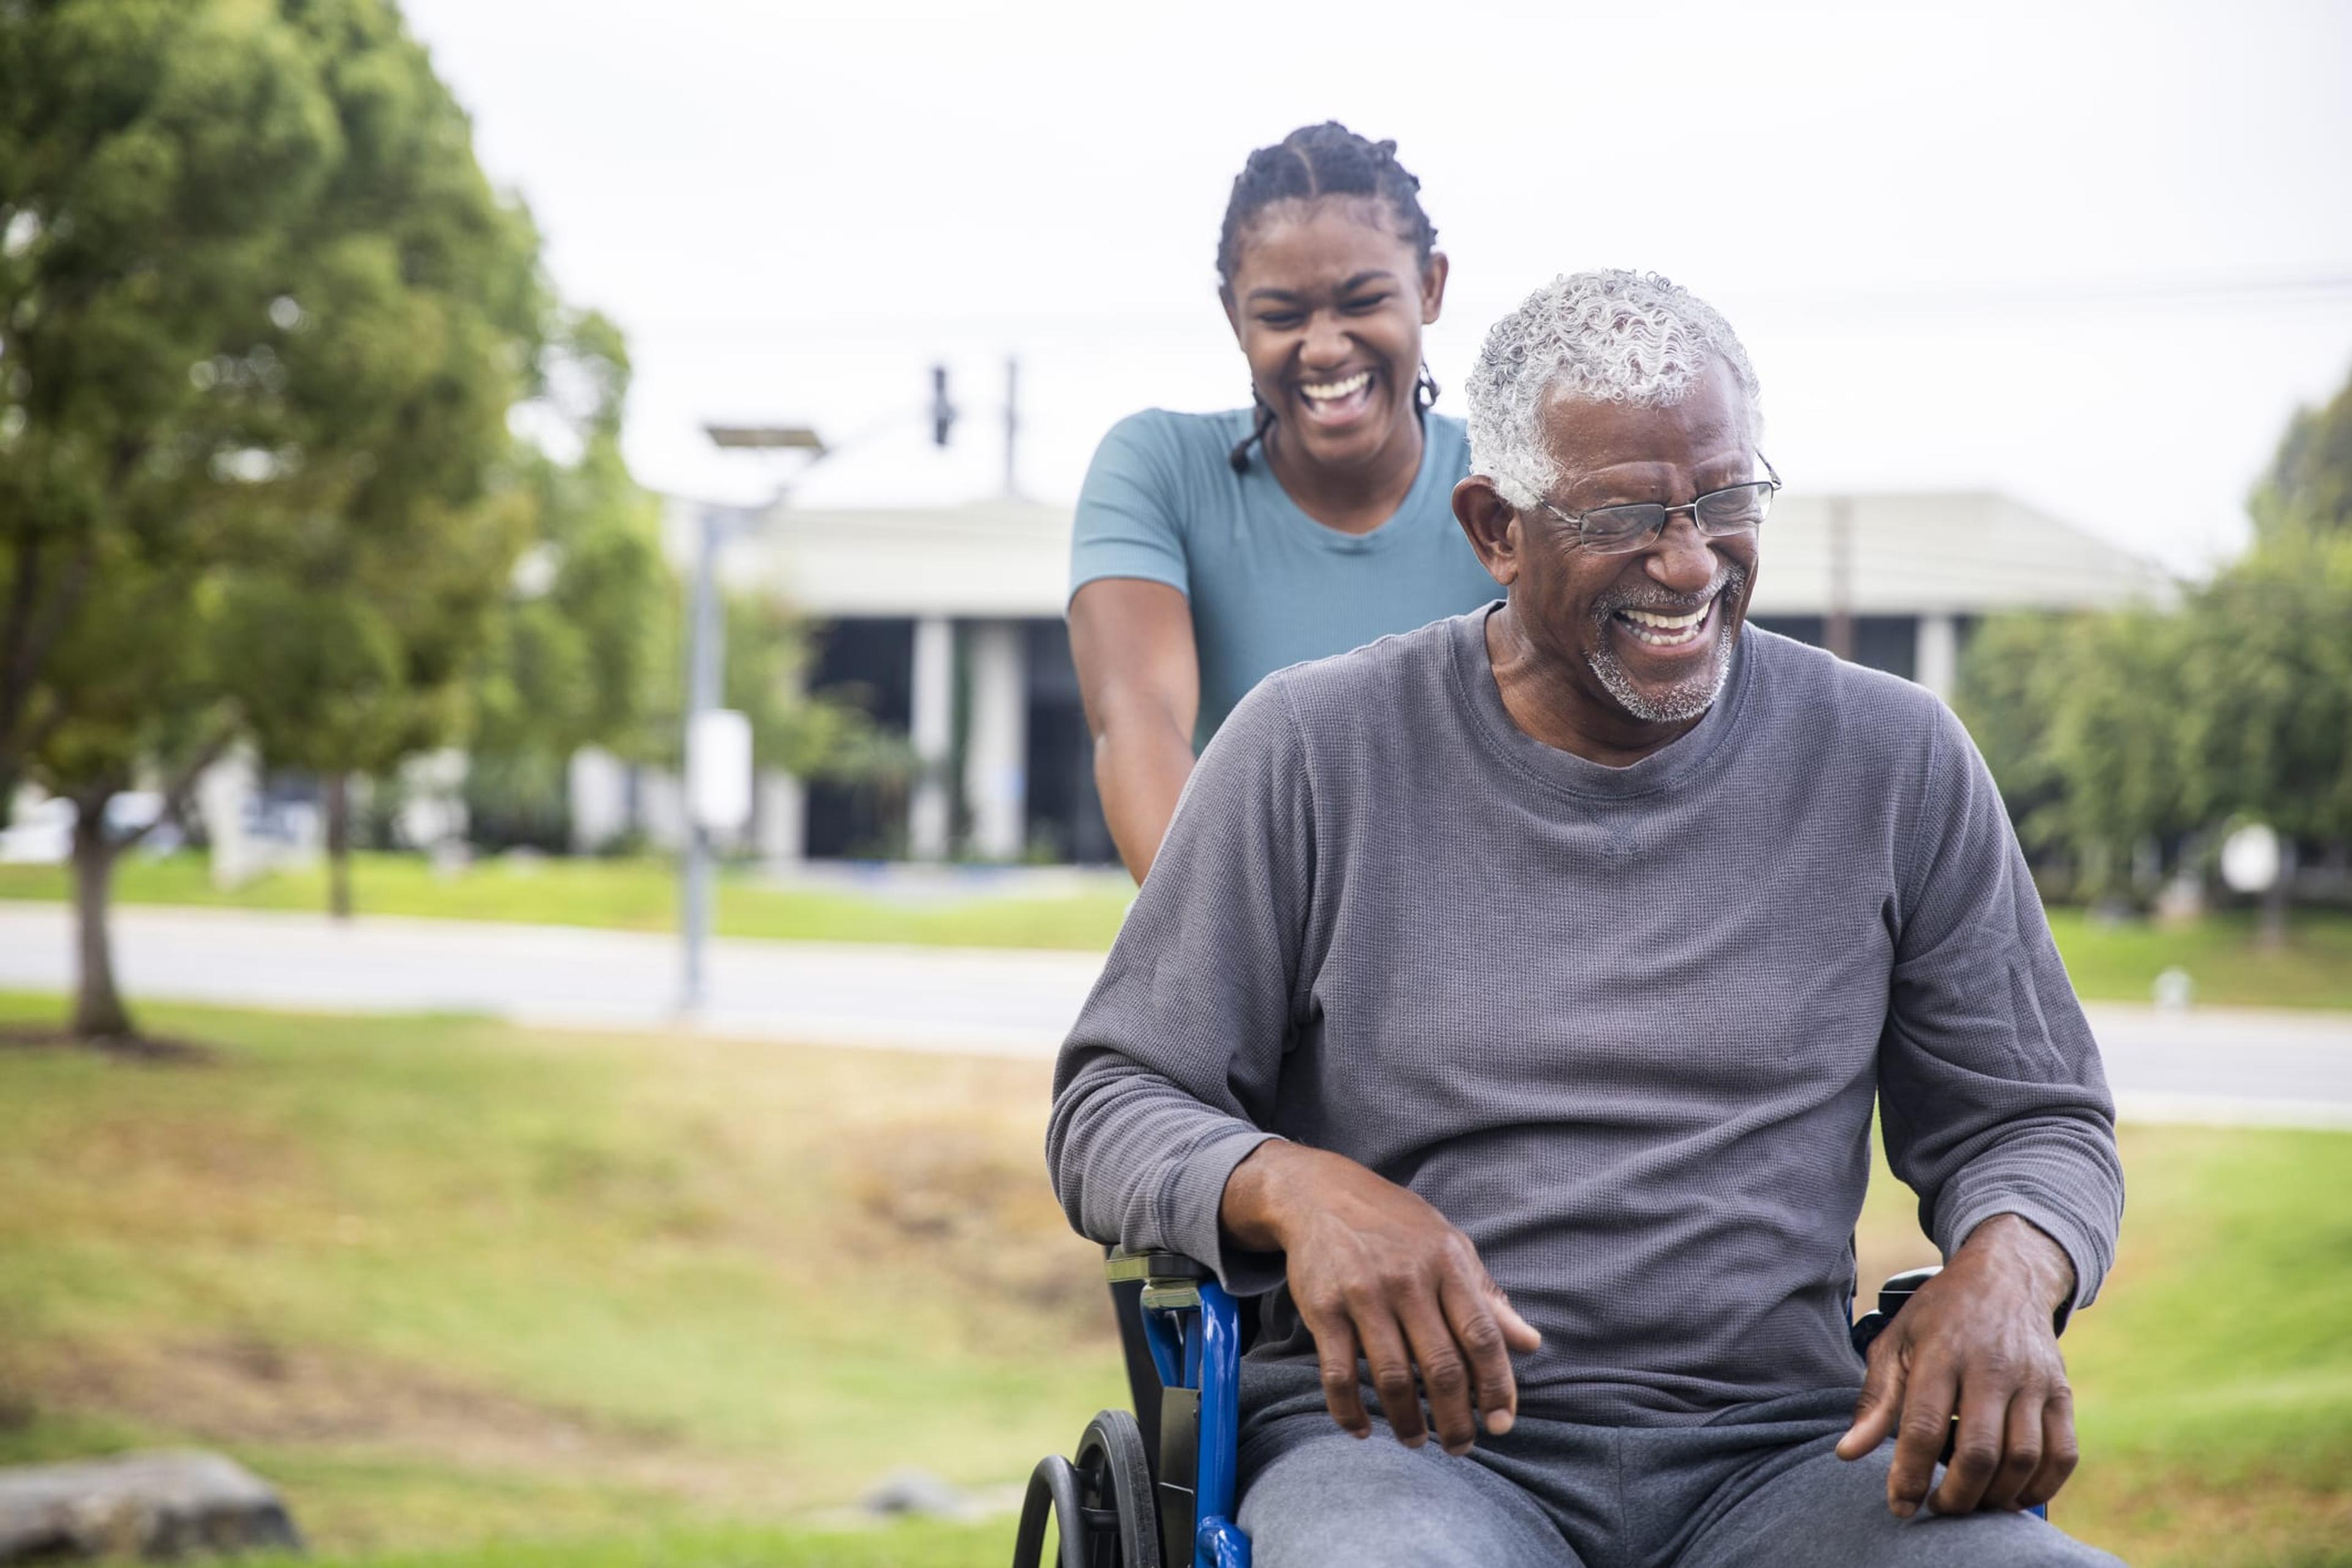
2316, 286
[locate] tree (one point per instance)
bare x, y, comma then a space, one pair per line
2105, 731
152, 159
2270, 673
2268, 711
147, 701
2080, 719
2308, 487
2006, 694
263, 320
577, 652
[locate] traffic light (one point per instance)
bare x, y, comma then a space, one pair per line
943, 413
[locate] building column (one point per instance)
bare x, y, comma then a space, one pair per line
1936, 655
779, 818
931, 727
597, 783
996, 746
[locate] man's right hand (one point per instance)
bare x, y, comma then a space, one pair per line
1380, 1275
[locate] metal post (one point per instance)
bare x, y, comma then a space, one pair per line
1837, 626
706, 665
1012, 421
706, 657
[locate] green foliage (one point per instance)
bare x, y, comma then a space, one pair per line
579, 653
812, 735
2080, 719
2309, 485
261, 322
2267, 673
262, 316
2108, 731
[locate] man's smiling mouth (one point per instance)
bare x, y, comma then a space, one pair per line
1659, 629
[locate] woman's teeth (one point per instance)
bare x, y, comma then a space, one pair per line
1326, 390
1666, 631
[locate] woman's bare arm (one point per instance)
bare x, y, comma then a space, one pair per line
1139, 675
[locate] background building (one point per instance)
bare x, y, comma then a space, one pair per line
945, 624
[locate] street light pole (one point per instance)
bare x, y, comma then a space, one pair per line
706, 659
705, 691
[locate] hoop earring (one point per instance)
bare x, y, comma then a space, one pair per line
1424, 391
1262, 422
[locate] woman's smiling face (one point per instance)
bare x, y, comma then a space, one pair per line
1327, 303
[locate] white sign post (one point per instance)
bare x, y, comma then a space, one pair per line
718, 771
2250, 860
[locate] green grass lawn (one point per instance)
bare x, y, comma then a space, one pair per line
2108, 962
451, 1282
2120, 962
480, 1297
639, 894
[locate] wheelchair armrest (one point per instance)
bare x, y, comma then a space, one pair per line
1156, 1268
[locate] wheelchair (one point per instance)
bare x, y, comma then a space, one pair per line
1168, 1501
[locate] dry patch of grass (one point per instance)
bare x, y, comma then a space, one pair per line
2180, 1516
160, 1049
445, 1278
244, 1390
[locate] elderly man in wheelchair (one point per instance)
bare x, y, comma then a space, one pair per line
1507, 1009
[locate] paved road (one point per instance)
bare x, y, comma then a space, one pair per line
2210, 1065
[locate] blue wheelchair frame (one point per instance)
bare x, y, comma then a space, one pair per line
1117, 1508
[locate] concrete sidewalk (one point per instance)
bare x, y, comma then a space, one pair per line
2241, 1067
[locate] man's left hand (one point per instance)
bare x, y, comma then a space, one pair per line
1977, 1341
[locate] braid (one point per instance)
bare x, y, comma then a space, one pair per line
1326, 160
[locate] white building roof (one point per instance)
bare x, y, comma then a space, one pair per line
1954, 553
1963, 552
987, 560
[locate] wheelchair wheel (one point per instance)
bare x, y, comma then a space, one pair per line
1101, 1500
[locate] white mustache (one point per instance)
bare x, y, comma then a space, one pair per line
1658, 599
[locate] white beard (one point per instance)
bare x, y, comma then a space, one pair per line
1686, 698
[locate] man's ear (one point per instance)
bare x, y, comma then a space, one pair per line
1492, 524
1432, 287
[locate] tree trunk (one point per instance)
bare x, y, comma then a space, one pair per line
338, 846
99, 1013
2270, 932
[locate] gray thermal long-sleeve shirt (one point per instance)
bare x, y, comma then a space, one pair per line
1625, 1026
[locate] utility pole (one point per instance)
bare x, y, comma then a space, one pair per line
1838, 628
706, 659
1012, 423
717, 742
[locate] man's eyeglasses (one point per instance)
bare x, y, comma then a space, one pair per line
1719, 514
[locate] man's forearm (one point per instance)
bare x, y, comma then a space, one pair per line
1140, 766
1251, 1209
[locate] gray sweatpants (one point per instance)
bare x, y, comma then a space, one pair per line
1755, 1486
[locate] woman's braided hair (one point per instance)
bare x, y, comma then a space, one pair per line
1326, 160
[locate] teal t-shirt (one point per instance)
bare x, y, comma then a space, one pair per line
1269, 585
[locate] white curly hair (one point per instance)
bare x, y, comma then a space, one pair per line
1613, 335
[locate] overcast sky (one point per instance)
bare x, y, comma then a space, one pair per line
2089, 255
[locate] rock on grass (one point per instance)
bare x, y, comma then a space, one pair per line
157, 1505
